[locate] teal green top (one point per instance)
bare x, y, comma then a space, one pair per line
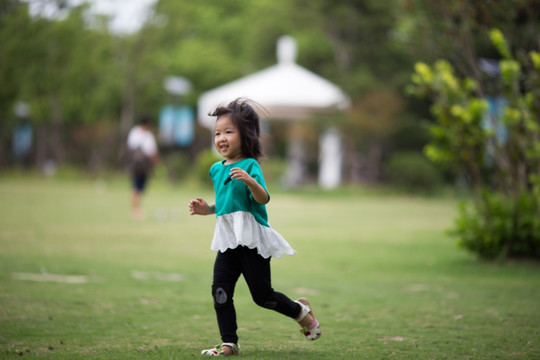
241, 221
235, 195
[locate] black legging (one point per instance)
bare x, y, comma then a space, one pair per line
256, 270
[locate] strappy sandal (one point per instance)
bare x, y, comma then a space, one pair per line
313, 331
219, 351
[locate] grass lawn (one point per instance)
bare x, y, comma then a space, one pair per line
80, 279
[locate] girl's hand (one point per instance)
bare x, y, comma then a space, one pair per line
260, 195
239, 174
200, 207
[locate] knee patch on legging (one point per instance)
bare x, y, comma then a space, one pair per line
221, 296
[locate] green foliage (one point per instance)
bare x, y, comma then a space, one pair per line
457, 138
273, 170
76, 74
177, 164
456, 31
204, 161
69, 88
499, 226
412, 171
498, 40
466, 137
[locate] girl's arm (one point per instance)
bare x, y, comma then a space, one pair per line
200, 207
259, 193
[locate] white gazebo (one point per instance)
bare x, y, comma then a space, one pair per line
289, 92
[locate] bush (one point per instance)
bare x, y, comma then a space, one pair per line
273, 170
177, 164
496, 226
204, 161
412, 171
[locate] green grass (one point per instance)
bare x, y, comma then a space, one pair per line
383, 278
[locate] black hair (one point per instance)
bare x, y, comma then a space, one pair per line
145, 120
246, 119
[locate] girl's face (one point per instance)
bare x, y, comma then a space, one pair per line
227, 139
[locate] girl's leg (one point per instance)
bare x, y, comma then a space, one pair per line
256, 271
226, 273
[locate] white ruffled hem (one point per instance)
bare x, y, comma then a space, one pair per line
241, 228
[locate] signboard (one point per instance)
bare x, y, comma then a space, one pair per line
176, 126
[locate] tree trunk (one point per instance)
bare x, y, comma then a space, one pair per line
374, 158
2, 153
41, 145
57, 147
128, 111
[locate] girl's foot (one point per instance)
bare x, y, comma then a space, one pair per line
224, 349
308, 322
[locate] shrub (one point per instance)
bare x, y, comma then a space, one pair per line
413, 171
177, 166
273, 170
204, 161
498, 226
494, 142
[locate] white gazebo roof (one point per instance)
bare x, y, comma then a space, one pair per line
285, 90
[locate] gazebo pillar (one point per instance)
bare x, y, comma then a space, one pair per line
295, 173
330, 159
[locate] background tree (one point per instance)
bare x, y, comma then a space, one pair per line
486, 113
455, 31
67, 87
355, 44
497, 150
368, 63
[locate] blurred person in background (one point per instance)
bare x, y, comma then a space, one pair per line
143, 157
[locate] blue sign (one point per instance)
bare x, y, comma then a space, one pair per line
22, 140
493, 118
176, 126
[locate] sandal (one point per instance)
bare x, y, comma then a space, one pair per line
313, 331
219, 351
